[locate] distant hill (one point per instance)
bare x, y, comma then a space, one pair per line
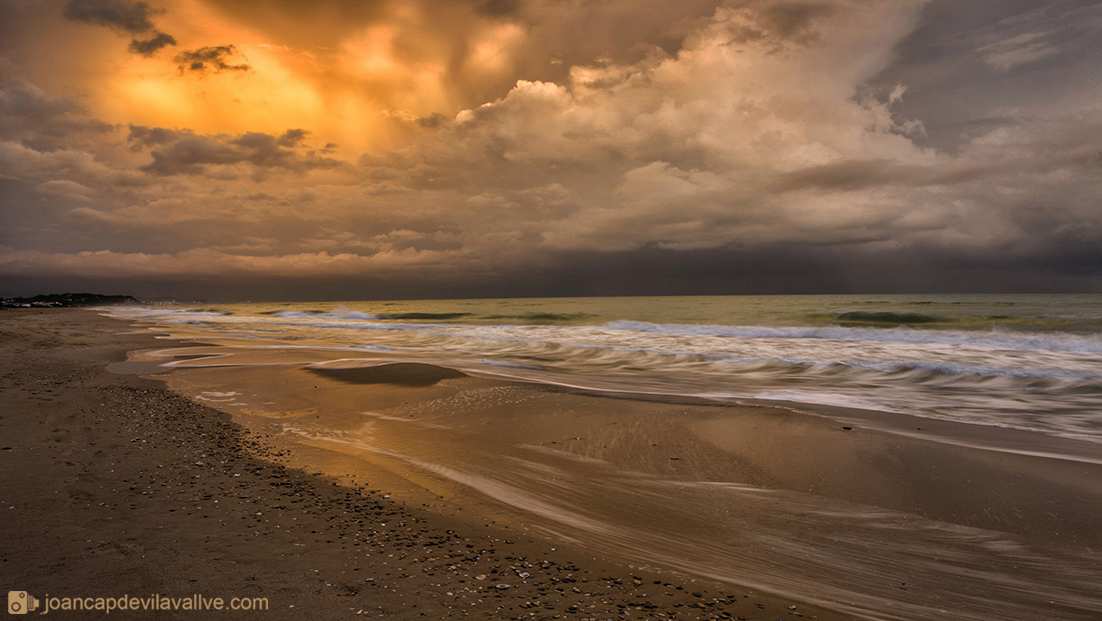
67, 300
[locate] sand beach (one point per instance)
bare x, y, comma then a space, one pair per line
114, 485
409, 490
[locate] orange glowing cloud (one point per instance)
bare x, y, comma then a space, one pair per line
361, 91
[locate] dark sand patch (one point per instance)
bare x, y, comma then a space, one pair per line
413, 374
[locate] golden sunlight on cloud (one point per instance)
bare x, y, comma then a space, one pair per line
364, 91
276, 92
492, 52
371, 55
384, 78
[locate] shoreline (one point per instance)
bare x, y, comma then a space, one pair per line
853, 516
858, 456
115, 485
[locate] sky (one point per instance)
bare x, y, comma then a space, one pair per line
368, 149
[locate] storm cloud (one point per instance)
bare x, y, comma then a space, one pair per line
206, 59
149, 47
134, 18
725, 147
176, 153
33, 118
130, 17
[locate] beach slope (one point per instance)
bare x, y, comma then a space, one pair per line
113, 485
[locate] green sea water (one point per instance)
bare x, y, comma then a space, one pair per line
1024, 361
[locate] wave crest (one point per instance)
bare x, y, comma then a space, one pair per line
987, 339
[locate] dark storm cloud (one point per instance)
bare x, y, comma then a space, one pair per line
132, 17
190, 155
129, 17
1056, 266
433, 120
848, 176
149, 47
771, 270
292, 137
185, 153
858, 175
22, 103
779, 23
40, 121
141, 136
207, 59
795, 20
973, 66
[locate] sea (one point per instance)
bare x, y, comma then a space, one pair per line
1031, 362
985, 510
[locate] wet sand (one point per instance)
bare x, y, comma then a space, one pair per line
113, 485
877, 525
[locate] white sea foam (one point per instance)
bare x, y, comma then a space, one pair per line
1047, 380
820, 398
339, 312
511, 365
979, 338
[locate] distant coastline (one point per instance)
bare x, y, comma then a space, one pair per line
68, 300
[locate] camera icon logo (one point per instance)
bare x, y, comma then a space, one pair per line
21, 602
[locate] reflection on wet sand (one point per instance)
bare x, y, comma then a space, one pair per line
878, 524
